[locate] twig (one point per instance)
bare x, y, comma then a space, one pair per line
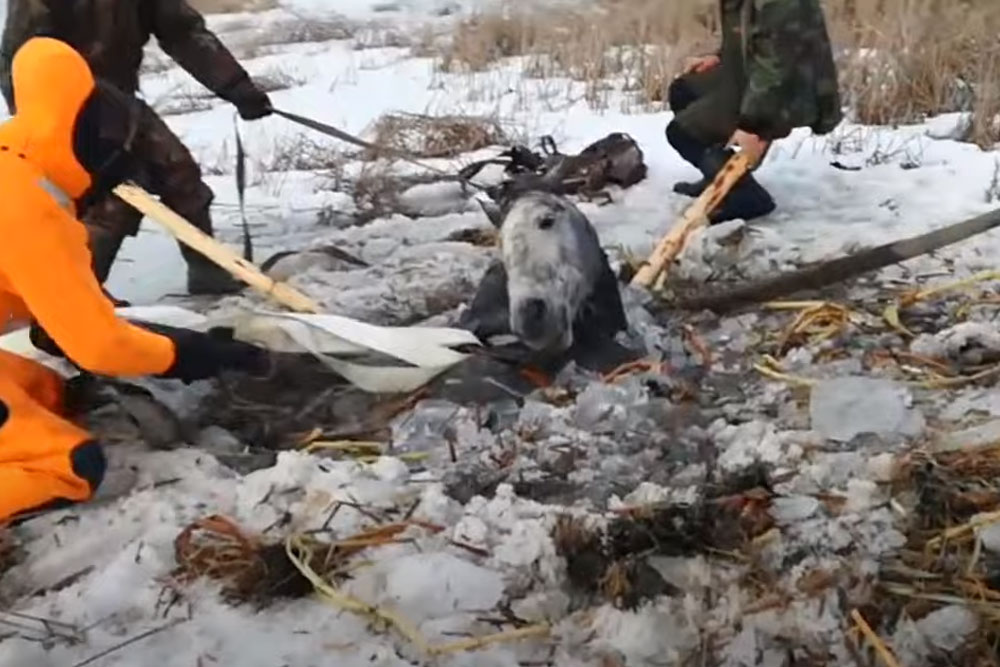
783, 377
474, 643
300, 554
129, 642
964, 529
880, 648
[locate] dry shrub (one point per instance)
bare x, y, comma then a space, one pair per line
899, 60
297, 30
638, 42
302, 153
375, 191
185, 102
276, 79
903, 60
303, 30
232, 6
437, 136
249, 569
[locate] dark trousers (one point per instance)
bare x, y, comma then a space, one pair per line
166, 169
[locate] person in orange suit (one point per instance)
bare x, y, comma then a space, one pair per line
58, 151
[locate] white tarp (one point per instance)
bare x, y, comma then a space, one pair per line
328, 337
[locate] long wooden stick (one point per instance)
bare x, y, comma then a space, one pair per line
190, 235
694, 217
817, 276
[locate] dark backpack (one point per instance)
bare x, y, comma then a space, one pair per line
614, 160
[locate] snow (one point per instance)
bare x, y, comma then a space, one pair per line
122, 548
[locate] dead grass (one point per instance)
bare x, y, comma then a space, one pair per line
303, 153
907, 59
276, 79
437, 136
183, 101
295, 30
899, 60
375, 191
232, 6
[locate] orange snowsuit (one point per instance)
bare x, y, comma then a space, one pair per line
45, 273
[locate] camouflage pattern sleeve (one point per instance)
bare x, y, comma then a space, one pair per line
773, 50
25, 19
183, 35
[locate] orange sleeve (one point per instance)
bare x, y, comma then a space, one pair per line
45, 258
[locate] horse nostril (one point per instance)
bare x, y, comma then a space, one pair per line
534, 310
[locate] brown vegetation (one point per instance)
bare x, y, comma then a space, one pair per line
899, 60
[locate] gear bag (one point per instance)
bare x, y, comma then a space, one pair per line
613, 160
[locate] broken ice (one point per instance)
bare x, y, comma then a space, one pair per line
842, 408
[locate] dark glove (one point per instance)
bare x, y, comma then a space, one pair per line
198, 355
250, 101
41, 340
203, 355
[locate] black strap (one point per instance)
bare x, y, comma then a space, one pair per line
241, 186
331, 131
548, 145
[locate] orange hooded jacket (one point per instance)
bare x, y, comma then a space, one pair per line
45, 264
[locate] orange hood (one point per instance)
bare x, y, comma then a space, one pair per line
51, 84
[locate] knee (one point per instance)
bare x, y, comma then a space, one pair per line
186, 189
687, 145
680, 94
679, 138
89, 463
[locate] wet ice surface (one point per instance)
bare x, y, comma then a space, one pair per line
496, 475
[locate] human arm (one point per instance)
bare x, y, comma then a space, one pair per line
698, 64
773, 54
48, 266
183, 35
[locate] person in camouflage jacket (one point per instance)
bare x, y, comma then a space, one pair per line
111, 35
774, 72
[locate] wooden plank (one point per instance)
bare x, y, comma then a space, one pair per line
695, 217
191, 236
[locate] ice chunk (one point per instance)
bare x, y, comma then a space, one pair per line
977, 436
948, 627
794, 508
843, 408
990, 537
604, 408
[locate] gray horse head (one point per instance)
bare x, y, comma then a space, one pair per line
554, 287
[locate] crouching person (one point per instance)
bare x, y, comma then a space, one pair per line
773, 73
64, 146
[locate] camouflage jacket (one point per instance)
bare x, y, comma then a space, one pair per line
786, 65
111, 35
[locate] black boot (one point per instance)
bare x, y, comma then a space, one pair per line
206, 277
746, 201
104, 247
691, 150
691, 188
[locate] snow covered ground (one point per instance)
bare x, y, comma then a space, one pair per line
496, 550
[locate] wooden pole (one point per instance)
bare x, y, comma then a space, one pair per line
694, 217
820, 275
191, 236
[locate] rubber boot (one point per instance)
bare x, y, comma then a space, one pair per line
206, 277
746, 201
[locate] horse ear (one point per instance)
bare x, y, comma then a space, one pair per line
492, 211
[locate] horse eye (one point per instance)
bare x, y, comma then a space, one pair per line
547, 221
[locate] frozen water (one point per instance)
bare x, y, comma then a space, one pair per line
843, 408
